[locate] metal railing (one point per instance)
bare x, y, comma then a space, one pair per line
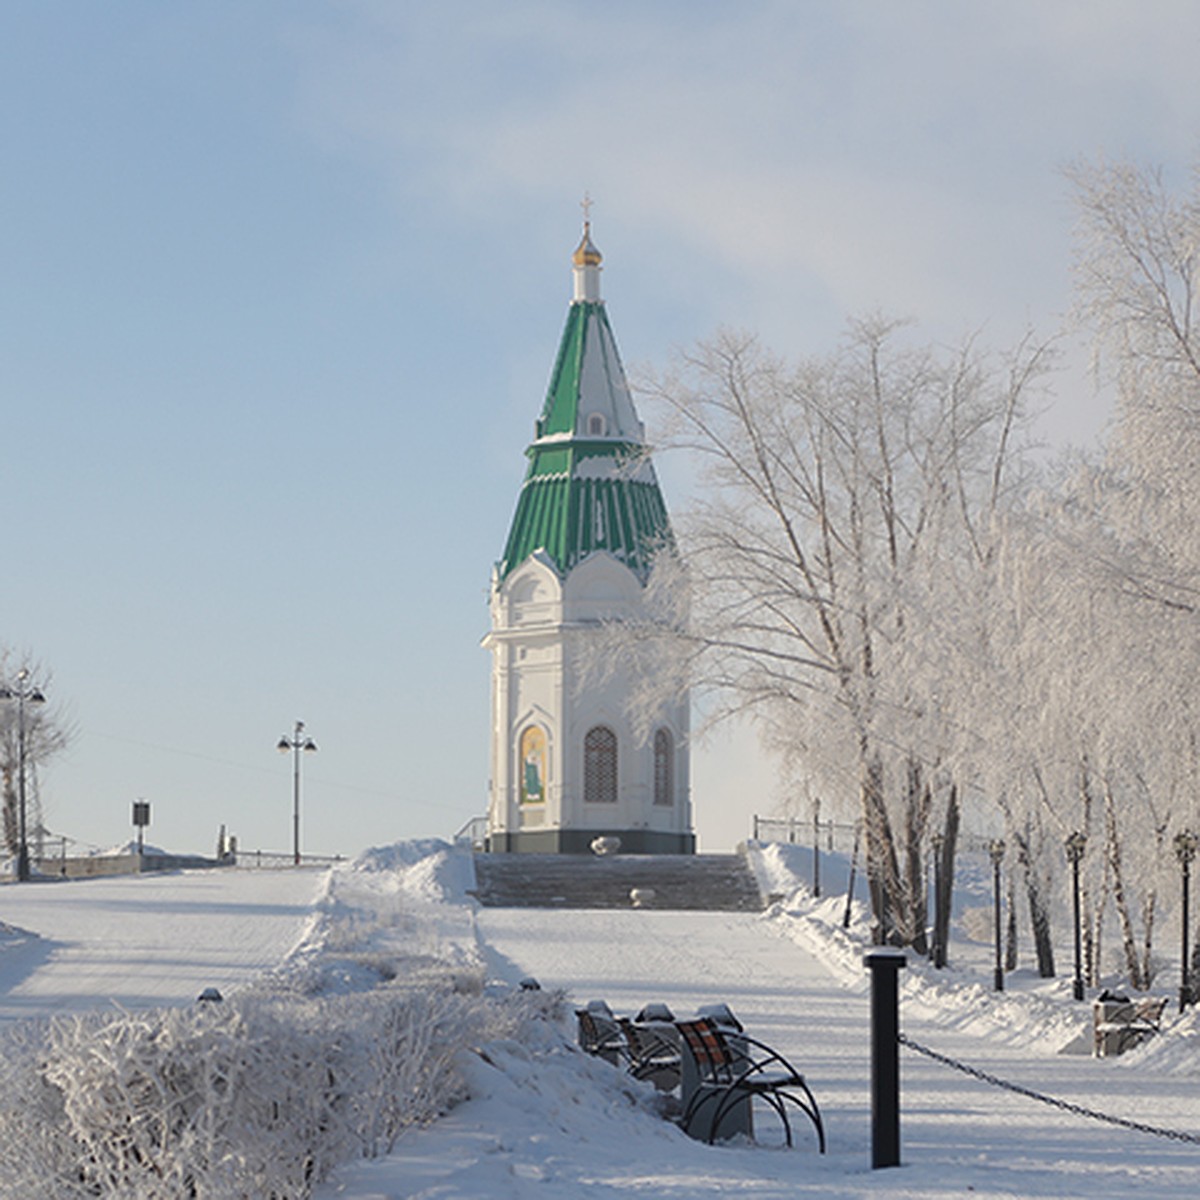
473, 834
831, 836
272, 859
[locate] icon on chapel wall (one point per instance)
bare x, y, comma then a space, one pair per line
533, 766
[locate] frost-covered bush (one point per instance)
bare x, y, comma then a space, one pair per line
257, 1097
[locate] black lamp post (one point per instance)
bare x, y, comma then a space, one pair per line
935, 955
295, 744
1185, 851
23, 693
1075, 846
996, 850
817, 848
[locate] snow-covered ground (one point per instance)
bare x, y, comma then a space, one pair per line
138, 940
542, 1120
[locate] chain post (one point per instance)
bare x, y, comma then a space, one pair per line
885, 963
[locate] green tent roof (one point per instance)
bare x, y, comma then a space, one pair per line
590, 485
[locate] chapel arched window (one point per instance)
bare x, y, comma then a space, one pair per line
600, 766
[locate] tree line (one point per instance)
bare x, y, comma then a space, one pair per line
933, 625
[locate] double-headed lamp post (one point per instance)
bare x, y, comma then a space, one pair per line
996, 850
1185, 850
23, 692
295, 744
1075, 845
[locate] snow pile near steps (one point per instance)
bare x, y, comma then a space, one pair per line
396, 915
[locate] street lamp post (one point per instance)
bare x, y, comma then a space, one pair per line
817, 847
935, 954
1185, 849
1075, 846
996, 850
295, 744
24, 692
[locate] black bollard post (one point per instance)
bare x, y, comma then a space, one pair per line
885, 962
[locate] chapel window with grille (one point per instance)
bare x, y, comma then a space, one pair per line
600, 766
664, 761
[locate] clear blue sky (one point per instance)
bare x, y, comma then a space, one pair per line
282, 284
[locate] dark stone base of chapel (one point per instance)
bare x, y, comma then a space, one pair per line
579, 841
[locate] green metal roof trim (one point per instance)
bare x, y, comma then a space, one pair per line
569, 518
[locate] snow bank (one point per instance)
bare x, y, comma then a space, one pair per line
1175, 1053
430, 869
19, 948
543, 1120
129, 847
1030, 1012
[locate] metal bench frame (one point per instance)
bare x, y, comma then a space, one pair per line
734, 1068
1131, 1024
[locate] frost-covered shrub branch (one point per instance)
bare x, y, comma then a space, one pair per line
260, 1096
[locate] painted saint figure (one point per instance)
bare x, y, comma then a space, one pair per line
533, 766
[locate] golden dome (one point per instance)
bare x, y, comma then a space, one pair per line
586, 254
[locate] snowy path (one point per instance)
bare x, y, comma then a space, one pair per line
548, 1124
146, 939
777, 989
959, 1136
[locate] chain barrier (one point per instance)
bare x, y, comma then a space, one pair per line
1078, 1109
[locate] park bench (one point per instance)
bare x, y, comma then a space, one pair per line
732, 1070
600, 1034
719, 1069
1121, 1023
654, 1051
647, 1046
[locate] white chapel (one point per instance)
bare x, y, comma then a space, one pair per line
566, 765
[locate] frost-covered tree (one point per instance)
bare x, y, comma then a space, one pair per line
45, 732
1138, 277
836, 493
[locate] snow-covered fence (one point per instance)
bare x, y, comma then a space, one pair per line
259, 1096
92, 865
829, 835
833, 836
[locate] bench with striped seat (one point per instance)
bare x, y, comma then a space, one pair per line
734, 1069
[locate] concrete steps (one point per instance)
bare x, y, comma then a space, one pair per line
705, 882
